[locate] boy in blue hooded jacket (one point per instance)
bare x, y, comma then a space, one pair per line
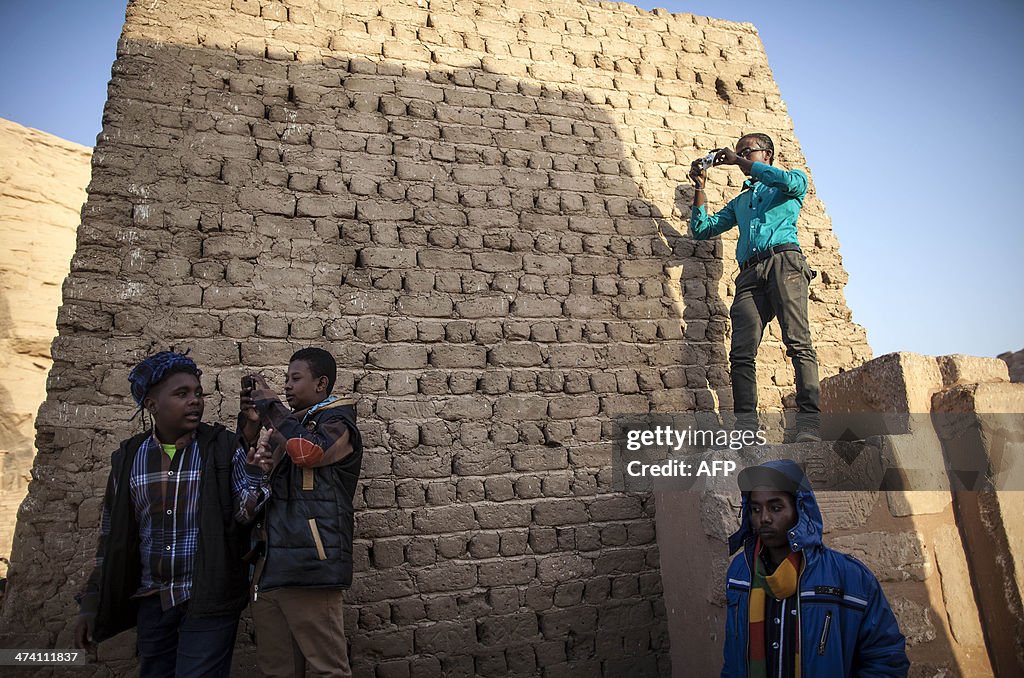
795, 607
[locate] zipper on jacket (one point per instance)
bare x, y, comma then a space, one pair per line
824, 633
800, 616
750, 576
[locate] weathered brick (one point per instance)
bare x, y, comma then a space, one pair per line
399, 357
447, 577
385, 257
510, 629
495, 516
564, 568
456, 637
521, 408
458, 356
542, 459
560, 512
515, 355
443, 260
445, 519
495, 262
507, 571
559, 623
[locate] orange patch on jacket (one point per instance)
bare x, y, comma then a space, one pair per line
304, 452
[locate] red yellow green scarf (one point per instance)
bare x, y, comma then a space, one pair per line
780, 584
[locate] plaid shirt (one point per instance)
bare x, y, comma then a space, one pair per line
165, 495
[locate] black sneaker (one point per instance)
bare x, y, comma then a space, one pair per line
808, 436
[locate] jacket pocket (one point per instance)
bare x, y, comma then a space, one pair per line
825, 628
321, 554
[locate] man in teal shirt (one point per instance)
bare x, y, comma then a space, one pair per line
773, 278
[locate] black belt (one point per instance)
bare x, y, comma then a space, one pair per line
764, 256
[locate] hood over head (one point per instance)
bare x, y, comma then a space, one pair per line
787, 476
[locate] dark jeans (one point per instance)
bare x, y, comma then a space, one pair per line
173, 644
776, 287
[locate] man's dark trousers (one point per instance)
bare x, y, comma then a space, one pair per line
775, 287
174, 645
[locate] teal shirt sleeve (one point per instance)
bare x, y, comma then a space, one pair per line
703, 226
792, 183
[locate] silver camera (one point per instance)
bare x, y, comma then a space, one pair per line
708, 160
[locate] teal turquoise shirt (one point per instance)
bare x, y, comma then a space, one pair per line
766, 211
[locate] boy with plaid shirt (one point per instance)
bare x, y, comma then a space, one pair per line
178, 502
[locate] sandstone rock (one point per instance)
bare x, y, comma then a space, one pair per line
956, 588
921, 463
915, 621
982, 428
42, 189
877, 397
967, 369
891, 556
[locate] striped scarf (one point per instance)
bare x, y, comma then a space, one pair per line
781, 584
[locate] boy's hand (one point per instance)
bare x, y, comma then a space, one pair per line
697, 175
261, 389
83, 632
260, 454
250, 416
727, 156
247, 406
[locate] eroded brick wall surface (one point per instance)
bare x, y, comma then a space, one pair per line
475, 207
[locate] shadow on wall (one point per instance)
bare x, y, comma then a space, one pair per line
475, 251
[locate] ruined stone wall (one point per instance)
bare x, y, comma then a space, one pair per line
42, 190
474, 205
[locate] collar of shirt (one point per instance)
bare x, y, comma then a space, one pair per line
179, 444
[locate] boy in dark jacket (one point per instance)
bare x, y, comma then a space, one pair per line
315, 452
796, 607
173, 534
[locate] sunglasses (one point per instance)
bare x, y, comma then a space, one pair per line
747, 151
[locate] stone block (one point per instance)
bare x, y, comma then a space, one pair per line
955, 580
891, 556
982, 432
915, 621
922, 463
877, 397
967, 369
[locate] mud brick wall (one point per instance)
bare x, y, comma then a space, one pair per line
475, 206
42, 190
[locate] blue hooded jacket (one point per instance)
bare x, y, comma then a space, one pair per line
846, 625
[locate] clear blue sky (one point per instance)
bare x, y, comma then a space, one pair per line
907, 112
